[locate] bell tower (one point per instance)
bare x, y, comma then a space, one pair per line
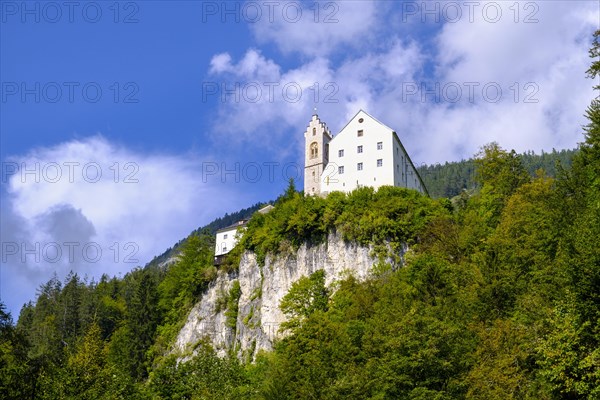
316, 154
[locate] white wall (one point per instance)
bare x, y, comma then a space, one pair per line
226, 240
396, 168
404, 173
348, 140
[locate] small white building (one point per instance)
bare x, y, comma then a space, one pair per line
364, 153
229, 236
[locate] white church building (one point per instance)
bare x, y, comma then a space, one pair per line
364, 153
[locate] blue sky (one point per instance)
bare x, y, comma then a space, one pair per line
140, 121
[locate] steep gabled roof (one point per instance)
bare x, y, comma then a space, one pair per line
368, 115
238, 224
397, 138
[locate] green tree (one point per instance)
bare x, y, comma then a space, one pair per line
233, 304
143, 318
204, 376
15, 382
499, 173
307, 295
500, 370
569, 354
70, 300
86, 373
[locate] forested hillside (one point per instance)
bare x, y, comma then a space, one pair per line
451, 178
210, 229
497, 298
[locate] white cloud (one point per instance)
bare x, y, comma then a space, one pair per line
336, 93
141, 205
319, 28
268, 102
220, 63
546, 61
253, 66
543, 62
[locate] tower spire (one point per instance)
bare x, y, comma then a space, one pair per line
316, 154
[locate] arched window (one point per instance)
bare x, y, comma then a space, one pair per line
314, 131
314, 150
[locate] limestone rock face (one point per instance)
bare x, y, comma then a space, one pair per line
262, 289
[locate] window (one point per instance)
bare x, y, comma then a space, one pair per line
341, 153
360, 120
314, 150
360, 133
380, 163
224, 248
379, 145
341, 170
359, 149
359, 166
314, 131
225, 236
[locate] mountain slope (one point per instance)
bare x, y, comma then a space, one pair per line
451, 178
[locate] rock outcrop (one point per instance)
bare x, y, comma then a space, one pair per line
262, 288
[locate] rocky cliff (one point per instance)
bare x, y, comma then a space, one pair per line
262, 288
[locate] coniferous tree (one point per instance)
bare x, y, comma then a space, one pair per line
143, 318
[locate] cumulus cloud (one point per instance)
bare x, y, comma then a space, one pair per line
95, 207
540, 68
319, 28
520, 77
288, 98
259, 103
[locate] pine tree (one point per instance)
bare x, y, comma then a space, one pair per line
142, 321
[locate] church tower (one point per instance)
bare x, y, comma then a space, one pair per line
316, 154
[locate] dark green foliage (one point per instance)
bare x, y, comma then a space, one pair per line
295, 220
188, 277
14, 364
449, 179
570, 355
143, 318
182, 284
232, 304
391, 214
452, 178
306, 296
71, 297
397, 336
205, 376
365, 216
